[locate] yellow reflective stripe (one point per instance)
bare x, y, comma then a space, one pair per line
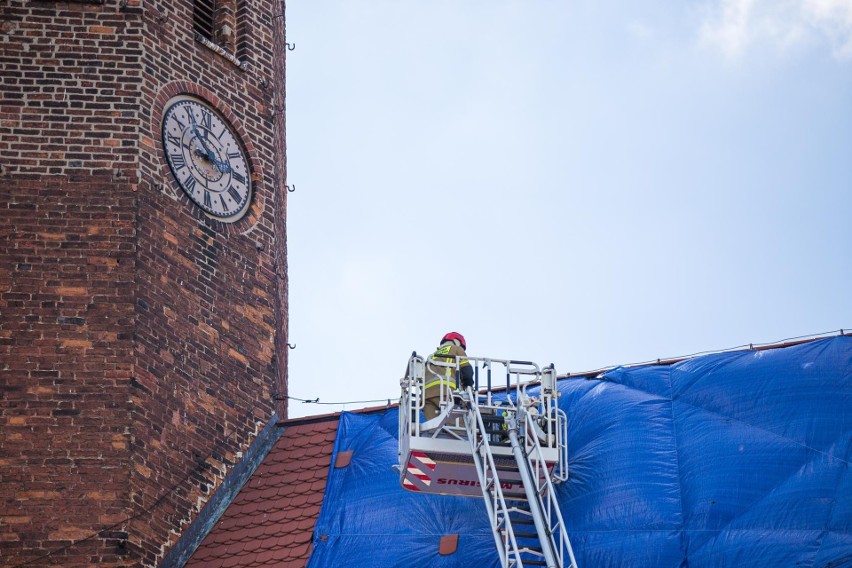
433, 383
443, 354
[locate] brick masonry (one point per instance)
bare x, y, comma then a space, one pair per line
141, 343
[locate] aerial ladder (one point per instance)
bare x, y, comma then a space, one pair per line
499, 443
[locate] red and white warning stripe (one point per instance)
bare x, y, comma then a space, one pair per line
412, 470
424, 459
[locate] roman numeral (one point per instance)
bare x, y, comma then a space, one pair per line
237, 176
222, 199
173, 139
206, 120
178, 161
208, 201
189, 184
233, 155
234, 194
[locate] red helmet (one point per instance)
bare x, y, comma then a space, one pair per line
453, 335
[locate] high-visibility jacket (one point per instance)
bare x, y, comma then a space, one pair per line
447, 353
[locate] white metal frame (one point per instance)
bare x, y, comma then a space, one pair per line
536, 427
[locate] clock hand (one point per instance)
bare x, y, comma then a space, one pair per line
210, 155
223, 167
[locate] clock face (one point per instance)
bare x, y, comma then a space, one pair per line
206, 158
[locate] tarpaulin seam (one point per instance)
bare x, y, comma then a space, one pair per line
683, 542
725, 528
767, 431
761, 531
810, 457
637, 389
793, 474
827, 532
584, 393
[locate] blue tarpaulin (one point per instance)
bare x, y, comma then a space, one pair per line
731, 459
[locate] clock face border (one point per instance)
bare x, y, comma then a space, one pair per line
207, 160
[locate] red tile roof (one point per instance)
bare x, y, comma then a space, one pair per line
271, 520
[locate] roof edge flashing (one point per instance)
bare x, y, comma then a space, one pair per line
239, 475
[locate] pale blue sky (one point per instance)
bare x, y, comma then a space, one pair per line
587, 183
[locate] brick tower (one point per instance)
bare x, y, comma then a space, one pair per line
143, 304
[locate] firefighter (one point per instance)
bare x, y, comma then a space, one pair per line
437, 376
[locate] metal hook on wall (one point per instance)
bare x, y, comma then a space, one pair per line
290, 190
290, 46
293, 346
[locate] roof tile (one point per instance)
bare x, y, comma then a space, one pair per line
265, 556
271, 521
235, 548
300, 550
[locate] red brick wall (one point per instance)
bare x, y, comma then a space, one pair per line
66, 299
137, 336
279, 67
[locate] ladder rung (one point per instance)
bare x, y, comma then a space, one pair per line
510, 509
488, 418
